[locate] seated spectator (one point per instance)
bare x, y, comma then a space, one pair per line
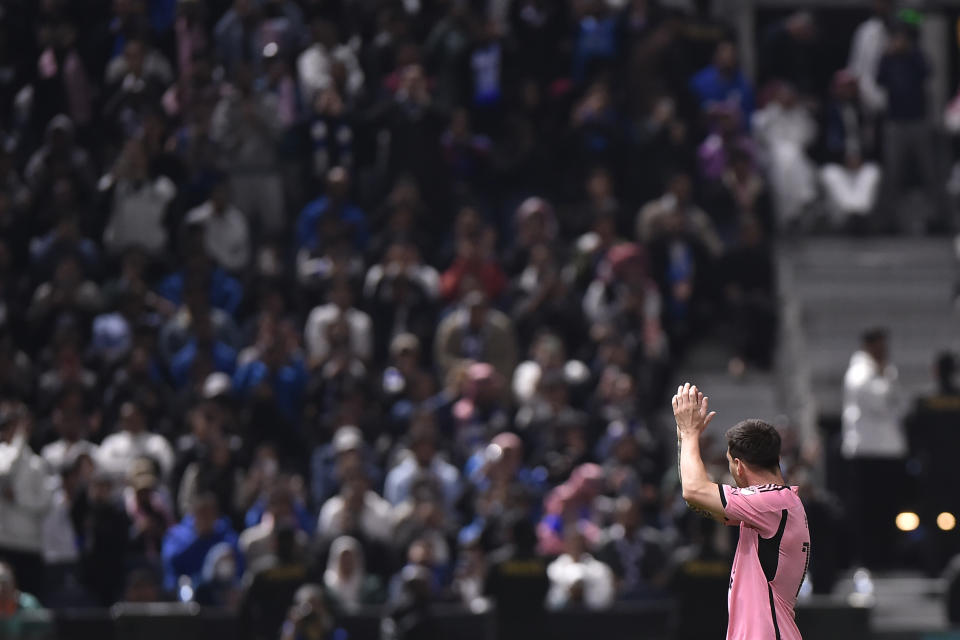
138, 203
225, 233
219, 585
330, 126
25, 500
64, 239
466, 153
636, 553
546, 354
725, 138
851, 190
143, 586
422, 461
847, 128
347, 584
308, 616
133, 440
333, 208
140, 61
476, 332
741, 192
786, 130
356, 509
577, 579
340, 306
185, 545
14, 603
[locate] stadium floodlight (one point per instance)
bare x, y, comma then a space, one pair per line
907, 521
946, 521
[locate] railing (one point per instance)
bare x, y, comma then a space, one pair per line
656, 621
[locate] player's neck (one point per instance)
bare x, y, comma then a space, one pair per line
768, 477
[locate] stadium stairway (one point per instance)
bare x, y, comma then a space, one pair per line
839, 286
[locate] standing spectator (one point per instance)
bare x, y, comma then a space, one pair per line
317, 66
724, 83
340, 307
517, 581
24, 498
139, 203
475, 332
134, 440
332, 216
102, 528
874, 446
636, 553
786, 130
851, 191
790, 52
225, 233
422, 460
903, 74
246, 124
356, 509
869, 43
579, 579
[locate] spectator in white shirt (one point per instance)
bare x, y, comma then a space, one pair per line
577, 578
316, 65
356, 509
867, 48
24, 498
119, 450
226, 234
875, 448
71, 422
139, 203
851, 190
320, 319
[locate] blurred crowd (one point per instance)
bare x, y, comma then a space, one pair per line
340, 304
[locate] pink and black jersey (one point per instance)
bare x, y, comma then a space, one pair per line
771, 561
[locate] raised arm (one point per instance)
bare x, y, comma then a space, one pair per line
700, 492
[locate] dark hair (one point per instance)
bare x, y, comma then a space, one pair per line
873, 335
755, 442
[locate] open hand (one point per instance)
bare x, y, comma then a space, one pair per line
690, 410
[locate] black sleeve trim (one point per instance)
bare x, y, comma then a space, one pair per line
723, 498
773, 612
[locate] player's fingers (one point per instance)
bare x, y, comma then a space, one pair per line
704, 404
709, 418
674, 402
692, 392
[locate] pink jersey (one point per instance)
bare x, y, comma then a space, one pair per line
771, 561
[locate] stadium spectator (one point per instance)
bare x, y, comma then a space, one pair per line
874, 445
24, 496
186, 544
579, 579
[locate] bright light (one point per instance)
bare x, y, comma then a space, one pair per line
907, 521
946, 521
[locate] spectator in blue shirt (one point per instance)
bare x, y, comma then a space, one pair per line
336, 212
422, 461
274, 384
185, 546
724, 82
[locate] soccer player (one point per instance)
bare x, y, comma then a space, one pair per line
774, 547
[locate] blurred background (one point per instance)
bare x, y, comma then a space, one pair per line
359, 319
